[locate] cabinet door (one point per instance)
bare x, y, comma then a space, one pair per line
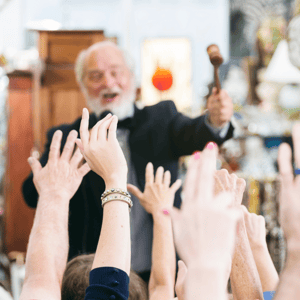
18, 216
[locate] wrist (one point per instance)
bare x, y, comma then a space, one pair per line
209, 281
116, 183
213, 121
160, 214
258, 247
55, 196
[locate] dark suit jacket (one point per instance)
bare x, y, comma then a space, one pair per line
159, 134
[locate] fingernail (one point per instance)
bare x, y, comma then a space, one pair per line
210, 145
29, 160
166, 212
197, 155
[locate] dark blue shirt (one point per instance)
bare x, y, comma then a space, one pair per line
107, 283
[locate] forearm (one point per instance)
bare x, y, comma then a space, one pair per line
265, 267
48, 242
288, 287
245, 281
206, 283
114, 242
163, 254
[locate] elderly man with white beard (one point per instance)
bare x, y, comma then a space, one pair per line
157, 134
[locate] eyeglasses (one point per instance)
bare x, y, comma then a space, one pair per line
97, 76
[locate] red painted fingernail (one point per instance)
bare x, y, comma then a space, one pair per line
166, 212
210, 145
197, 155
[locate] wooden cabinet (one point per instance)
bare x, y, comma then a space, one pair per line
18, 216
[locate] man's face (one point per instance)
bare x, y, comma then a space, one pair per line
108, 83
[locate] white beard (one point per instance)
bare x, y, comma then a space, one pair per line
124, 109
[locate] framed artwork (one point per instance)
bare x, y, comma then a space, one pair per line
167, 71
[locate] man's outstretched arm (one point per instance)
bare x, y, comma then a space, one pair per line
189, 135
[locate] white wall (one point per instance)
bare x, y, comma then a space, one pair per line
202, 21
11, 26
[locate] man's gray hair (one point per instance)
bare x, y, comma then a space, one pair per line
83, 55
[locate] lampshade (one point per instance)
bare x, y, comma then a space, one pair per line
280, 68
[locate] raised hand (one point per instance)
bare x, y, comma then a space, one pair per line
289, 211
102, 151
256, 229
256, 232
158, 193
220, 108
225, 182
204, 228
62, 175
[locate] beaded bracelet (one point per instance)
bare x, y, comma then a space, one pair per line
118, 198
112, 191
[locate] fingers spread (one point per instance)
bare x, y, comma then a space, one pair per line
149, 173
55, 146
84, 128
69, 146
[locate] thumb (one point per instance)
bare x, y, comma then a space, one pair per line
79, 145
179, 286
182, 270
176, 185
35, 165
135, 191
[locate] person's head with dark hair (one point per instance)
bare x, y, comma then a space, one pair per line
76, 280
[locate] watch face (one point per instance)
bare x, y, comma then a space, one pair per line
293, 37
